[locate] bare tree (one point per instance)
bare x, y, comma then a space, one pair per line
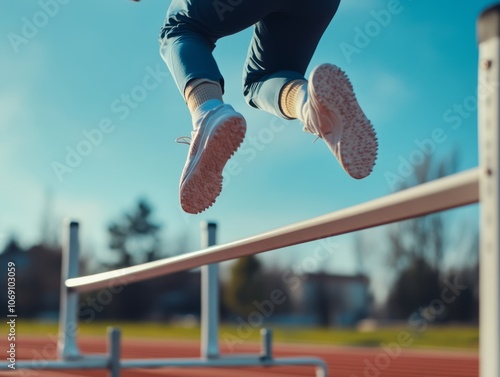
135, 237
417, 247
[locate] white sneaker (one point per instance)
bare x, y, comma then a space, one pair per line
217, 135
332, 113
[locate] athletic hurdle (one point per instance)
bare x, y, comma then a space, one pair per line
481, 184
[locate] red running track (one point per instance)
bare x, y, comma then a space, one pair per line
342, 361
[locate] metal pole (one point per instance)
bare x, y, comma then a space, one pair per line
489, 186
209, 297
322, 370
266, 348
68, 312
114, 337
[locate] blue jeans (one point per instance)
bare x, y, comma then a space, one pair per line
286, 34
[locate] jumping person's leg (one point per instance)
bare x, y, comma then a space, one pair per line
192, 27
281, 49
187, 40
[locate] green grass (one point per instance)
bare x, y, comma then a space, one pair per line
451, 337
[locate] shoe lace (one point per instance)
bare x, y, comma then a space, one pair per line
310, 128
312, 131
184, 140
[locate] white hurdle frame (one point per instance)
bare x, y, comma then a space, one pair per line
489, 162
477, 185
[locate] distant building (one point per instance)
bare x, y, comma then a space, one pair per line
38, 274
324, 299
175, 296
14, 253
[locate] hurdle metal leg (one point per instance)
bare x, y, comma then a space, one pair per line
68, 313
209, 297
114, 347
489, 183
210, 352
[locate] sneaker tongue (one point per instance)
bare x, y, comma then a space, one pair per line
202, 110
310, 120
205, 107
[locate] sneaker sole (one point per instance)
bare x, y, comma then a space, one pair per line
358, 143
203, 184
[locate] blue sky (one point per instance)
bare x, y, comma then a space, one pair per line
67, 69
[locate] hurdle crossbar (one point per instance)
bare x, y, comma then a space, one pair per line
446, 193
